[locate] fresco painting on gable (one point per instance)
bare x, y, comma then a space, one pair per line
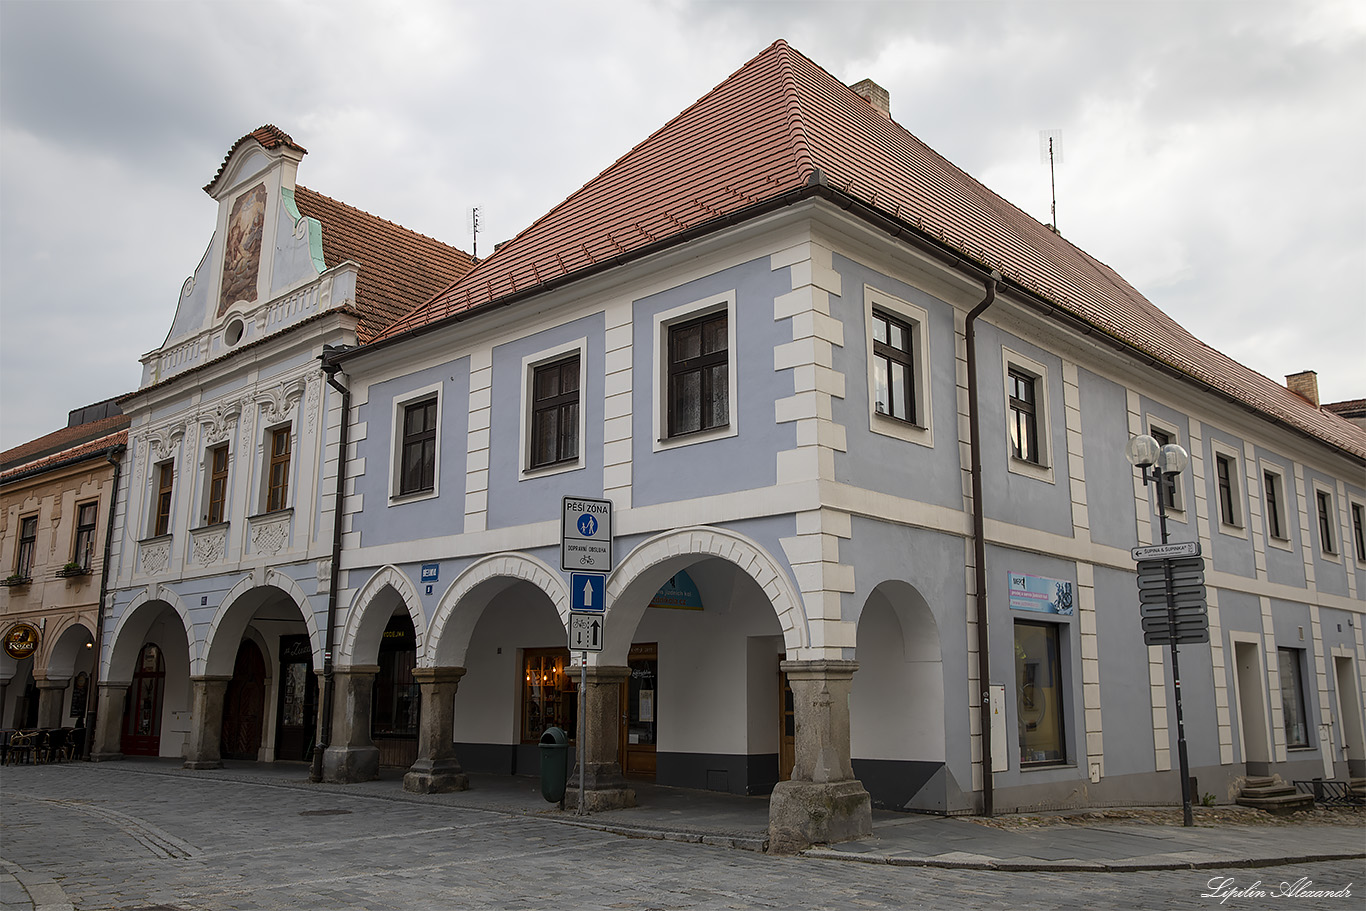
242, 252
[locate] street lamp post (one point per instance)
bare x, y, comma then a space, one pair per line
1159, 465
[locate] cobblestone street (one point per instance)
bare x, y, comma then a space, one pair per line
108, 837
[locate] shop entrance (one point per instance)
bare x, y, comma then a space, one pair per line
298, 710
142, 710
244, 704
397, 698
640, 724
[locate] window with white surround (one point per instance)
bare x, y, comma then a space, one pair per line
1170, 488
162, 505
1027, 415
1228, 490
416, 444
278, 451
553, 425
83, 552
1327, 521
695, 390
216, 488
1358, 511
898, 367
1273, 493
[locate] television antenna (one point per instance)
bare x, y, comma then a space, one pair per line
1050, 151
474, 229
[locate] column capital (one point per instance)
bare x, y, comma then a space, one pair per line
356, 670
438, 674
211, 678
820, 669
602, 674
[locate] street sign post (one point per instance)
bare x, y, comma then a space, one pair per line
586, 632
1178, 549
586, 535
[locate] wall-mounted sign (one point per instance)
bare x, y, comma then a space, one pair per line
21, 641
679, 593
1040, 594
431, 572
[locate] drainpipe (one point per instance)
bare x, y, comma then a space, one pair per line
979, 541
315, 773
92, 692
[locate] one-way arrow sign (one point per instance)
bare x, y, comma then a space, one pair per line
587, 592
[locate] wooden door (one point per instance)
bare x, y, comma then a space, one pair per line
244, 704
142, 709
640, 716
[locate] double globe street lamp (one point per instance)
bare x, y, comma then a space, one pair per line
1159, 465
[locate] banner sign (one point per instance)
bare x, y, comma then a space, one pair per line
1040, 594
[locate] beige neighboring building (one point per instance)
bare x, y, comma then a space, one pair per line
56, 494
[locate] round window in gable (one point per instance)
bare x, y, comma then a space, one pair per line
233, 334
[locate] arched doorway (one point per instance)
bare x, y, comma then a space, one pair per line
297, 718
142, 711
244, 704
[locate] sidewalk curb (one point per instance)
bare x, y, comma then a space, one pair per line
1077, 866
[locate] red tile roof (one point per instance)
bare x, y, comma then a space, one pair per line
399, 268
269, 136
65, 445
781, 122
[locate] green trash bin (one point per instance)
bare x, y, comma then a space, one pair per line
554, 764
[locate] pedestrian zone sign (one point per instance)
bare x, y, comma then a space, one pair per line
586, 535
588, 592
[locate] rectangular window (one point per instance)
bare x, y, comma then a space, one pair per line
277, 472
555, 413
417, 472
165, 483
1359, 530
894, 392
1024, 418
699, 375
1038, 689
84, 552
1324, 499
1292, 698
1224, 469
218, 484
1275, 522
28, 539
1168, 488
549, 694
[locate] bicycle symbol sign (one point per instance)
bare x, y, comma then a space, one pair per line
586, 535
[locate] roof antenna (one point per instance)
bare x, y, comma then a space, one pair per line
1050, 145
474, 229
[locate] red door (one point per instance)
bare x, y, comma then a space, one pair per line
244, 704
142, 711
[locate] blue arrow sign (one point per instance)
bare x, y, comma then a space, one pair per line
588, 592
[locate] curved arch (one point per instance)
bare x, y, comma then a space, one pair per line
67, 642
364, 629
131, 628
229, 624
461, 606
639, 576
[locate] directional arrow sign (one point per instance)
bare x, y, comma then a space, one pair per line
588, 591
586, 632
1182, 610
1179, 549
1182, 637
1194, 594
1157, 624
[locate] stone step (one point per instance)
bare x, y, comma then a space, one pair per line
1283, 804
1267, 791
1258, 781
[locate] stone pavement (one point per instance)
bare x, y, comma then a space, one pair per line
150, 835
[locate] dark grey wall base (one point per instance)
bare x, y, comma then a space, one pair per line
498, 758
729, 773
903, 784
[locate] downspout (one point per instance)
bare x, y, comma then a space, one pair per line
315, 773
92, 693
979, 542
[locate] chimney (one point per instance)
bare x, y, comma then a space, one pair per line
1305, 384
875, 95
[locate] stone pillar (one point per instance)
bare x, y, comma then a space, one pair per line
823, 803
436, 770
351, 756
107, 742
604, 784
51, 696
204, 750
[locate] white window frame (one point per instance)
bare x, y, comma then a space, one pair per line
1284, 541
1178, 507
1355, 503
530, 363
396, 444
263, 487
662, 323
1238, 528
1043, 415
918, 318
1334, 526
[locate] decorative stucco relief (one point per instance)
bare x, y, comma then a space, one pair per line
278, 402
218, 423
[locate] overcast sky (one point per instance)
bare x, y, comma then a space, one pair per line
1214, 153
